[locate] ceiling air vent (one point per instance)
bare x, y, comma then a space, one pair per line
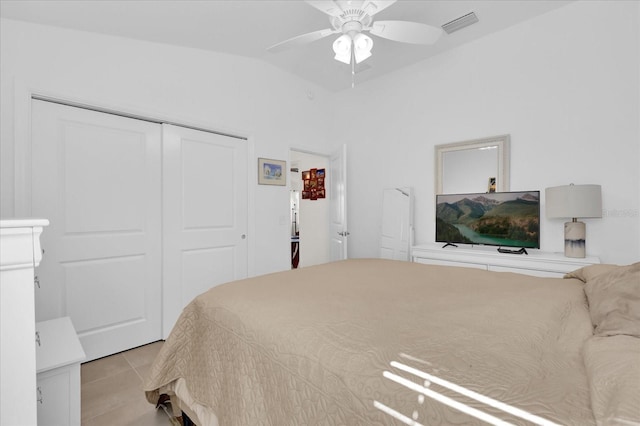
460, 23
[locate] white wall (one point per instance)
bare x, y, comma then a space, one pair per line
564, 85
314, 215
215, 91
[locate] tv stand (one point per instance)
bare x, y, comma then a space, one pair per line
537, 263
521, 251
449, 244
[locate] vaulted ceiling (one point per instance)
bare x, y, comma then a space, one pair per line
248, 28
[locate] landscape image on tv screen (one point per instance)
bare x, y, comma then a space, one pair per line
510, 219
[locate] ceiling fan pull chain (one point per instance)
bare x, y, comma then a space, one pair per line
353, 66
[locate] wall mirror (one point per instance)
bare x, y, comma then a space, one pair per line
479, 165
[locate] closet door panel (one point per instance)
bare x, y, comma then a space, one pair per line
99, 197
204, 215
209, 166
105, 280
97, 177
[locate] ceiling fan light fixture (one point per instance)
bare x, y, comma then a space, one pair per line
342, 48
362, 45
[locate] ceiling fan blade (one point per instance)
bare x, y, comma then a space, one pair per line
300, 40
375, 6
406, 32
326, 6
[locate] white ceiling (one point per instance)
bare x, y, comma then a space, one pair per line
247, 28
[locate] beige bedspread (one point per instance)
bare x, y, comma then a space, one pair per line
309, 346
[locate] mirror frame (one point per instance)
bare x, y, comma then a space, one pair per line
502, 142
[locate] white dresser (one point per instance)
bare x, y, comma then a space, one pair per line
19, 255
535, 263
39, 362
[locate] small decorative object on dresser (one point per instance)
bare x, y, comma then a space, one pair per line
574, 201
539, 264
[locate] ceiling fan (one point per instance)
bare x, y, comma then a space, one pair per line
354, 17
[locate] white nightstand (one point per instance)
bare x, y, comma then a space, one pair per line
58, 357
536, 263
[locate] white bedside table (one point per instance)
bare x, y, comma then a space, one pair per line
58, 358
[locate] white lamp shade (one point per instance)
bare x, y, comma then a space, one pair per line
362, 45
574, 201
342, 48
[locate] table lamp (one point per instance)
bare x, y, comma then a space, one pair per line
574, 201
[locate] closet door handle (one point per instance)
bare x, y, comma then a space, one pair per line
36, 281
38, 338
40, 397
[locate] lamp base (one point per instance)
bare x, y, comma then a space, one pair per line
574, 239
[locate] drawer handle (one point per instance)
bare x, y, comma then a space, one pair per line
40, 398
38, 338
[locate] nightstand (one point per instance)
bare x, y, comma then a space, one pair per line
58, 357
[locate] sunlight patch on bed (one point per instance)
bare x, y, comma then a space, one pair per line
423, 390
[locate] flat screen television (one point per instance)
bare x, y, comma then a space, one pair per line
506, 219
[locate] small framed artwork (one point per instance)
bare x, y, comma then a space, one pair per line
321, 193
306, 175
306, 195
272, 172
320, 173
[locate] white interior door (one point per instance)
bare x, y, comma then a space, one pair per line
205, 199
97, 178
338, 231
397, 223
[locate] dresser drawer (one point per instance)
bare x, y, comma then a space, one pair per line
533, 272
535, 263
428, 261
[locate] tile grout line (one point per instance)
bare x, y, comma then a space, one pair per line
134, 369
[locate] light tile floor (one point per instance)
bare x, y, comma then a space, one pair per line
111, 390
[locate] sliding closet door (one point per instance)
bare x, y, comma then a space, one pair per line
204, 215
97, 178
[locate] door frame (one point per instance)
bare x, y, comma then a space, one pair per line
327, 155
23, 94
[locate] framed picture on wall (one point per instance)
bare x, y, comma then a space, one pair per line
272, 172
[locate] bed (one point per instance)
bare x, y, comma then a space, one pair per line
381, 342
